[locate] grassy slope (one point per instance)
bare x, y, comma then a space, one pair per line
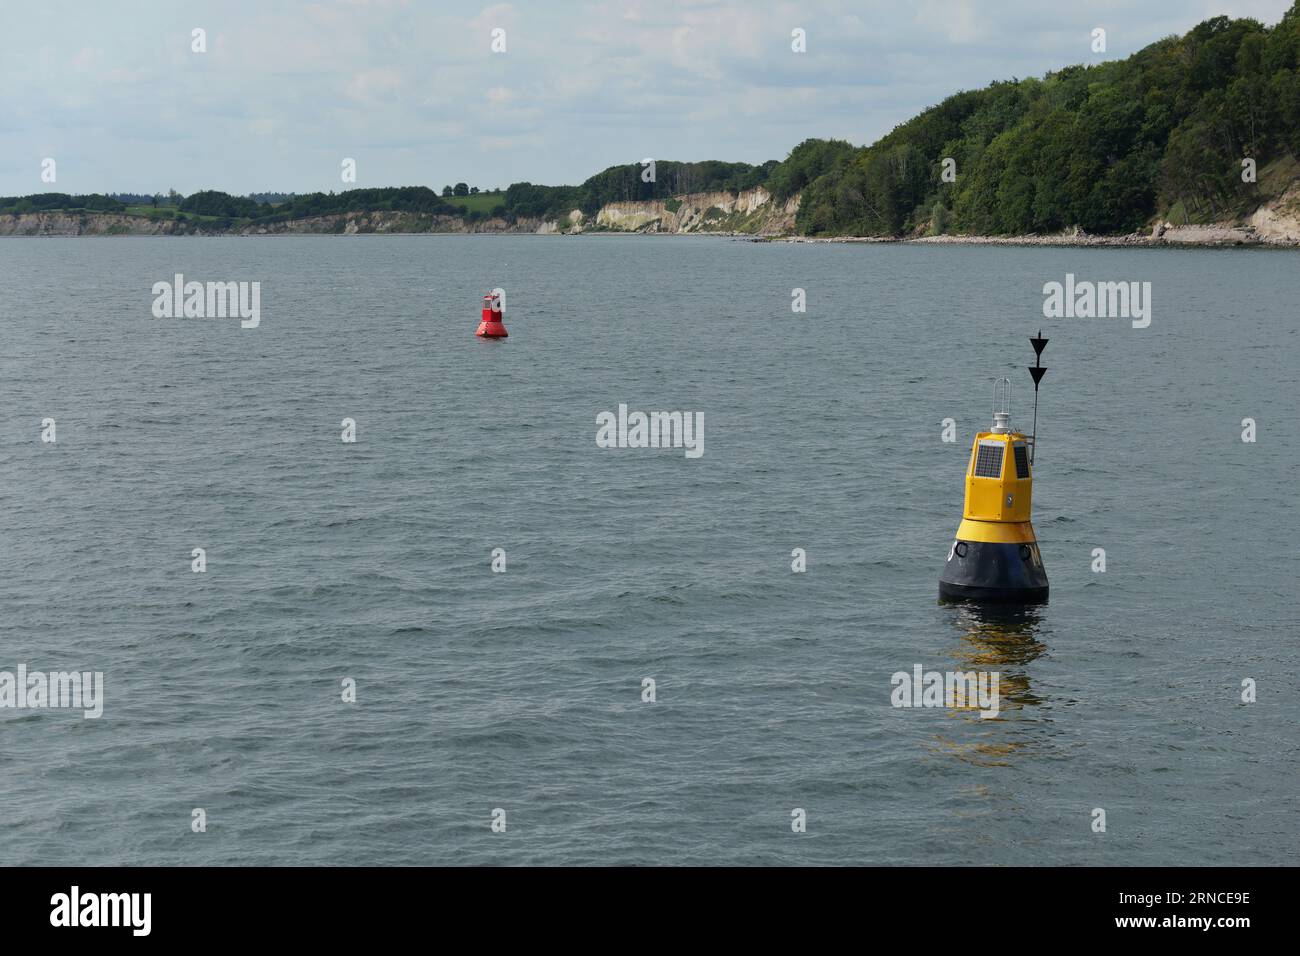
483, 202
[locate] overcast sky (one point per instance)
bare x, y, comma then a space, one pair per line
412, 91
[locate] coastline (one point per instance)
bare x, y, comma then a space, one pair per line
1216, 236
1268, 231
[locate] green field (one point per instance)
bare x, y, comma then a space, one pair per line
165, 212
483, 202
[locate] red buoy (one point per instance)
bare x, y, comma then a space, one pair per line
491, 326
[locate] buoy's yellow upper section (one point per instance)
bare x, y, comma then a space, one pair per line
999, 485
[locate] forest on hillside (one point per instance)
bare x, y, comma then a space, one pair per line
1103, 147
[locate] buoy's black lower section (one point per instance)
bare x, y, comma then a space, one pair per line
995, 573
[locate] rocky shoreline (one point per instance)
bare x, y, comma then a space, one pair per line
1215, 236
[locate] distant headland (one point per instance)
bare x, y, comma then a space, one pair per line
1193, 139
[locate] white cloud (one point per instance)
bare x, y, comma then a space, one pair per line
371, 85
956, 18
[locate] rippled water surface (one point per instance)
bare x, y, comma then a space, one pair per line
523, 690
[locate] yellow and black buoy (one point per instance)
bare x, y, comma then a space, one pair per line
995, 556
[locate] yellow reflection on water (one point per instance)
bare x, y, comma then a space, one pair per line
1003, 640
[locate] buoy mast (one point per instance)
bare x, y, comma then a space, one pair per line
1036, 370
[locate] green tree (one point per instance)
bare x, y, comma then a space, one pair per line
1106, 147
